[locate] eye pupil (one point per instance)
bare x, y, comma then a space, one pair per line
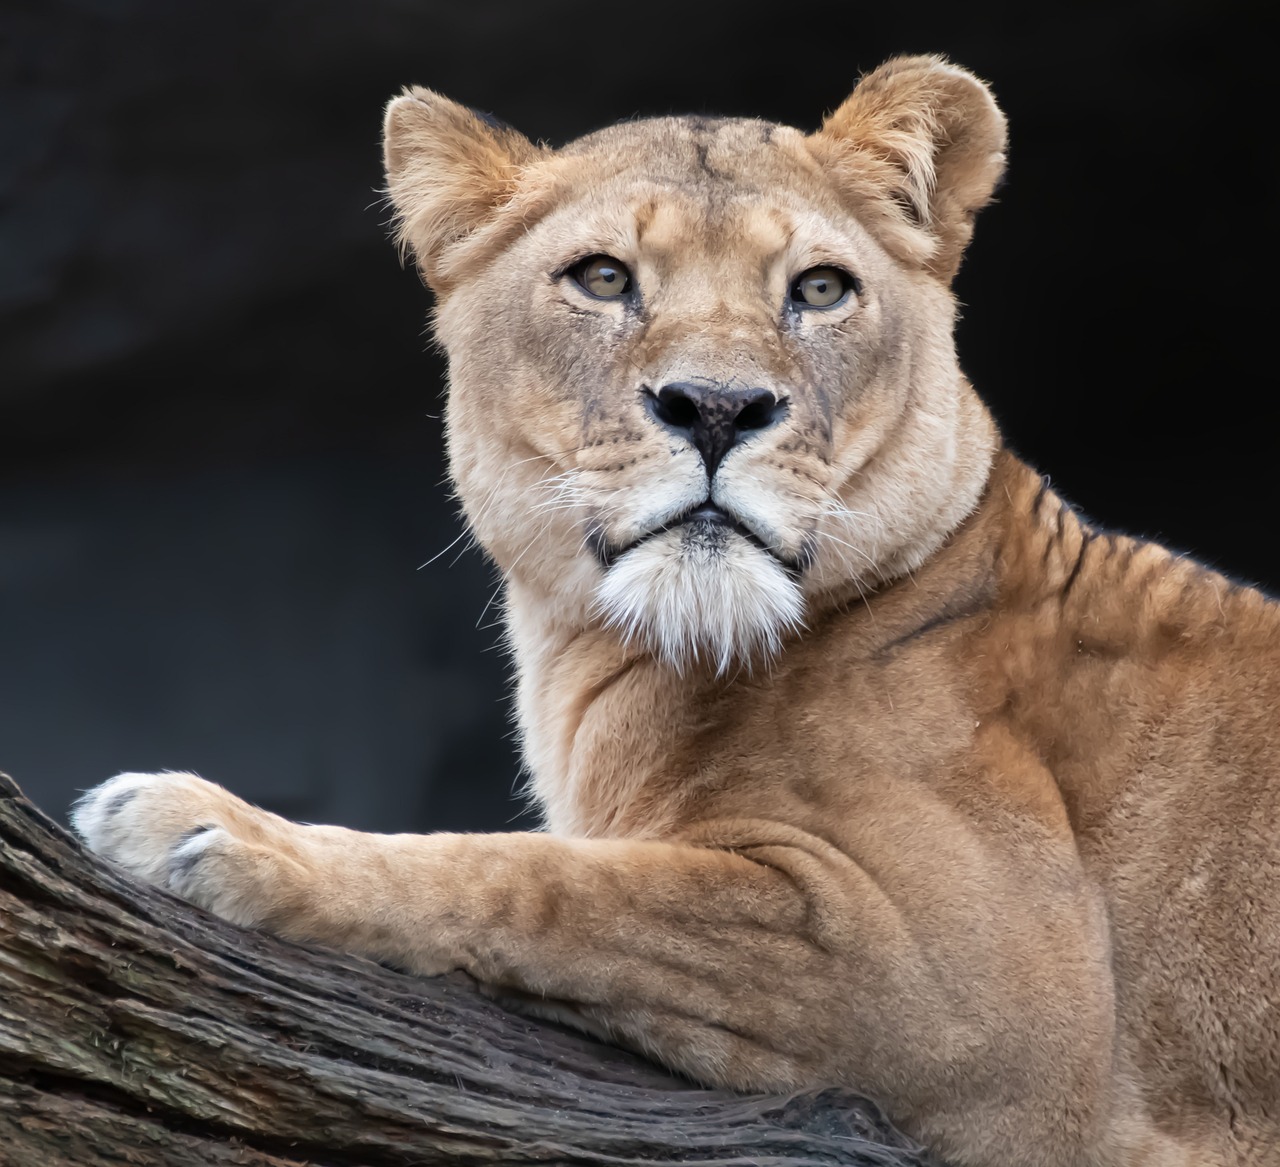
603, 277
822, 287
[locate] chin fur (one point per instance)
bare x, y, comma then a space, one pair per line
690, 597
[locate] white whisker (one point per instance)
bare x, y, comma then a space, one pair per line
445, 550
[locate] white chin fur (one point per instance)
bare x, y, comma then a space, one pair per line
691, 596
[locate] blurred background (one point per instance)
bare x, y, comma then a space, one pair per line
220, 438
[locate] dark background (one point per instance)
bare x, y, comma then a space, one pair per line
220, 448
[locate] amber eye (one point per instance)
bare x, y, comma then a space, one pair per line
603, 277
822, 287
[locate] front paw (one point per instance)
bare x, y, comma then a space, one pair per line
194, 838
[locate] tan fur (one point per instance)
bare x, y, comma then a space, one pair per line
993, 836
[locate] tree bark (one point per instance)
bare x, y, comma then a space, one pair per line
136, 1029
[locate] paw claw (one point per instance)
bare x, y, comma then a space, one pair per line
189, 850
116, 803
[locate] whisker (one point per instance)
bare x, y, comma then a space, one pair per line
452, 543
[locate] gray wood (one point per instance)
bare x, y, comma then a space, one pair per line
136, 1029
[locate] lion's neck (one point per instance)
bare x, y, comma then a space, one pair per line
568, 679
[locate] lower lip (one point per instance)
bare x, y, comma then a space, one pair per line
708, 516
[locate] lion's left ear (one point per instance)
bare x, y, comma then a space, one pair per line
928, 136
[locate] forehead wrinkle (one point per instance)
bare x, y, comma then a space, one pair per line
702, 220
772, 229
676, 224
644, 215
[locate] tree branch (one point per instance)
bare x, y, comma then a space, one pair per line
137, 1029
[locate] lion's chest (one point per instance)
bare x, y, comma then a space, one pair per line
821, 735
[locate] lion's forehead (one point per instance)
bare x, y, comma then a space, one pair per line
673, 226
712, 158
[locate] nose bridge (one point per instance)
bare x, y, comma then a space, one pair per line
712, 312
718, 341
715, 312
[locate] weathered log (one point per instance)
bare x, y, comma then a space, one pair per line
137, 1029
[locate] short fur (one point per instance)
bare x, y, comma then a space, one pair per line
913, 780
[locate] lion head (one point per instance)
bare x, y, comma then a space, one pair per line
702, 372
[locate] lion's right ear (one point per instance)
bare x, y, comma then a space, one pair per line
448, 170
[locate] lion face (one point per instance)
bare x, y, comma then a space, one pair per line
702, 378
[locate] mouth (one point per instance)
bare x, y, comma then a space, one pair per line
708, 521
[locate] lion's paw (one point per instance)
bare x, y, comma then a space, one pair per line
194, 838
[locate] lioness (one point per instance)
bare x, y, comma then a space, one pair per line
864, 759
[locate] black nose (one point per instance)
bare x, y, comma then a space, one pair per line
713, 417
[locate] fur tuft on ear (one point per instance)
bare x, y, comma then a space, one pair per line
448, 170
925, 139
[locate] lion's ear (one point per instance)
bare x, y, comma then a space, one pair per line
448, 170
928, 136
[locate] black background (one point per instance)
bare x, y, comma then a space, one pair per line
219, 418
